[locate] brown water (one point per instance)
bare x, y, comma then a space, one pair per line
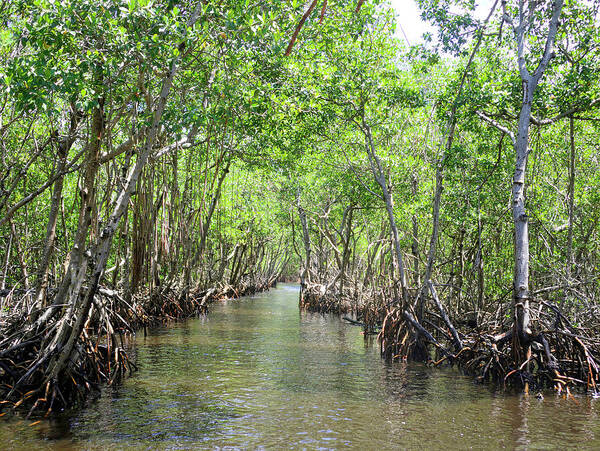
258, 374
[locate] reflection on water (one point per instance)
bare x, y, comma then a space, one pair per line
258, 374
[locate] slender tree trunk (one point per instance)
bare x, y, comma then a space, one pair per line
571, 198
55, 204
437, 200
212, 207
415, 237
346, 247
461, 267
305, 277
20, 256
379, 176
479, 264
521, 141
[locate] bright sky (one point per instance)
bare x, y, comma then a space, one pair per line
409, 19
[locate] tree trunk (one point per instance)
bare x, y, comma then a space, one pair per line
520, 218
521, 141
55, 204
212, 207
415, 233
379, 176
20, 256
571, 198
305, 276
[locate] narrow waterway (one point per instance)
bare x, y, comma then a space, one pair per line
256, 373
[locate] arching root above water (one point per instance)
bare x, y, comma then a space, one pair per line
37, 372
368, 306
317, 298
558, 355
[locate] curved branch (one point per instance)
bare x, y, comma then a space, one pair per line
299, 27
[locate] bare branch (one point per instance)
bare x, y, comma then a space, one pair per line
492, 122
570, 112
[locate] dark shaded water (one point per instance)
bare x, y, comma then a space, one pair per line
258, 374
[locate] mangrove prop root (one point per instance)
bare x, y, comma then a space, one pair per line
36, 376
557, 355
562, 356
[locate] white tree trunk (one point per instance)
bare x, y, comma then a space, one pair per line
521, 144
520, 218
